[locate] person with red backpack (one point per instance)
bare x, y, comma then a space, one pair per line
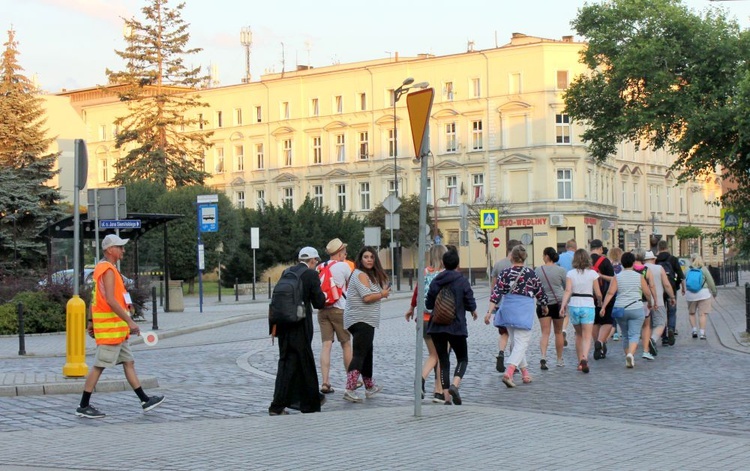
334, 276
602, 324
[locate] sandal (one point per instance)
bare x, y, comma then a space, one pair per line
326, 388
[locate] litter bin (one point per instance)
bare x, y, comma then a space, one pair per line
176, 303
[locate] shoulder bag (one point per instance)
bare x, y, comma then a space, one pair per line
515, 310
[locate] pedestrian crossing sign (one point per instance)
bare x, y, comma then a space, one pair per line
488, 219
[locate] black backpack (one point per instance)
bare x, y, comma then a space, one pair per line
287, 306
671, 275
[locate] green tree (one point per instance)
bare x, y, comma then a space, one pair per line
159, 90
662, 76
483, 235
27, 202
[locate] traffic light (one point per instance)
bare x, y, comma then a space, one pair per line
621, 238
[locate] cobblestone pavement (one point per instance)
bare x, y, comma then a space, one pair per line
688, 409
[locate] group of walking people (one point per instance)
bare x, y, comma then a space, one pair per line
605, 296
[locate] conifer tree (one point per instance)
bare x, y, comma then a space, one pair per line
27, 202
161, 132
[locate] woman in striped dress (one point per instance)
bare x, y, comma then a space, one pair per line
368, 285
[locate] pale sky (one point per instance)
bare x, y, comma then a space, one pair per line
69, 43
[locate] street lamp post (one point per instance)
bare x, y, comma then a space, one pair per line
405, 86
246, 39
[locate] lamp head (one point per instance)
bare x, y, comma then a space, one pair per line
408, 81
421, 85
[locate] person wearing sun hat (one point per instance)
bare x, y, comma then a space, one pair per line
111, 326
331, 317
659, 310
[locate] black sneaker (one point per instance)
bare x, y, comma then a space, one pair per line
604, 350
597, 350
152, 403
670, 336
500, 364
89, 412
454, 394
652, 347
438, 398
543, 364
695, 334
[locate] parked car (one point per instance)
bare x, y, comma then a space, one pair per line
66, 277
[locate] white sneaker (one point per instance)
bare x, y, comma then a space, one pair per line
629, 361
560, 362
369, 392
352, 396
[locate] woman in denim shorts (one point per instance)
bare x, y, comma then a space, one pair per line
581, 286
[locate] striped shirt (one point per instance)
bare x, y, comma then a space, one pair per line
356, 309
629, 290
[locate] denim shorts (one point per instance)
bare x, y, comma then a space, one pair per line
581, 315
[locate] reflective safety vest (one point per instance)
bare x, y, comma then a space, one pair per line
109, 329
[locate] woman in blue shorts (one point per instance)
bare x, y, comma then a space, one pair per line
581, 286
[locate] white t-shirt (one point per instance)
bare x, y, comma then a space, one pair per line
340, 272
583, 283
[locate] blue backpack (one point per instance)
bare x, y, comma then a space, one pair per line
694, 280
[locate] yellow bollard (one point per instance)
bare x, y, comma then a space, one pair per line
75, 328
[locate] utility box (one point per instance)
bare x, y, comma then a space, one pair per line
176, 302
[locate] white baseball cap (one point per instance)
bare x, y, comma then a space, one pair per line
113, 240
307, 253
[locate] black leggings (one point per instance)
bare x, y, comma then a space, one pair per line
458, 345
363, 334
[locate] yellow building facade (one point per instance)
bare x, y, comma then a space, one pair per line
498, 134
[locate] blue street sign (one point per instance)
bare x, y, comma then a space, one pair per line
119, 223
208, 216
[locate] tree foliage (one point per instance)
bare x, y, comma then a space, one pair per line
27, 202
688, 232
474, 217
284, 231
411, 227
157, 86
663, 76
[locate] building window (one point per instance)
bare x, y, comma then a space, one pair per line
565, 184
562, 79
624, 197
285, 110
239, 157
287, 152
259, 160
116, 129
260, 199
562, 129
364, 145
219, 120
635, 196
477, 140
317, 149
318, 195
364, 196
391, 187
391, 97
340, 148
670, 207
103, 170
219, 160
514, 84
314, 107
658, 199
238, 116
451, 187
477, 187
651, 194
363, 102
200, 121
241, 199
429, 189
258, 114
476, 90
288, 196
450, 138
341, 196
682, 201
392, 143
202, 162
339, 104
103, 132
448, 91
